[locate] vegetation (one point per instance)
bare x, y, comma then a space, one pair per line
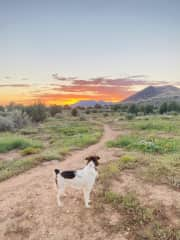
9, 142
146, 144
49, 140
138, 220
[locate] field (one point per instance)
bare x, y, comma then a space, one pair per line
51, 140
137, 194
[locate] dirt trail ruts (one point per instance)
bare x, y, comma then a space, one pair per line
28, 208
29, 211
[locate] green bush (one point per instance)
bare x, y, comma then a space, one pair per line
37, 112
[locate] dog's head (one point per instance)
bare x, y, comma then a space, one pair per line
93, 159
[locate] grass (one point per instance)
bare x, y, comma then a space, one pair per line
142, 222
156, 124
9, 142
115, 167
57, 136
11, 168
30, 150
139, 221
164, 170
146, 144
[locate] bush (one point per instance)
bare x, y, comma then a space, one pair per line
74, 112
6, 124
1, 109
37, 112
130, 116
54, 109
19, 118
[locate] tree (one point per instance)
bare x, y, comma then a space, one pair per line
163, 108
133, 109
173, 106
148, 109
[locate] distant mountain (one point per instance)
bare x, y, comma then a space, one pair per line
155, 95
90, 103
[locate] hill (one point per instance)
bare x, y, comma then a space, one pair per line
155, 95
90, 103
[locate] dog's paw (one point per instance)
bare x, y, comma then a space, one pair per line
87, 206
60, 204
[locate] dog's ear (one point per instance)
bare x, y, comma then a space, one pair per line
97, 157
88, 158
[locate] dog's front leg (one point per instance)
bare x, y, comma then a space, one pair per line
86, 197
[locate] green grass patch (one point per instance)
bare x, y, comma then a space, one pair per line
148, 144
9, 142
73, 134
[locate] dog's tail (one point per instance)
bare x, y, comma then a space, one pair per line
57, 171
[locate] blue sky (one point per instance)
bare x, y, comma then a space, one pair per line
88, 39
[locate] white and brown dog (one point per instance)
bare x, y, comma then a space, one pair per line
83, 179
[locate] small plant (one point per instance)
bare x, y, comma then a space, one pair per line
30, 150
130, 116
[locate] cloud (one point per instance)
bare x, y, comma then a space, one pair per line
15, 85
61, 78
99, 88
7, 77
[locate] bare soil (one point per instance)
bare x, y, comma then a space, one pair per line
28, 207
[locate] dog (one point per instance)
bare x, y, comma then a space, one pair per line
82, 179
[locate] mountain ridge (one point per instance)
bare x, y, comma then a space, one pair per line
155, 94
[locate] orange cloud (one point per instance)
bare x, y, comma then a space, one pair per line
100, 88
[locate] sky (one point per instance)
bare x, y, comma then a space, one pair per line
60, 52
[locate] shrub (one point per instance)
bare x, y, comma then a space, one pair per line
19, 118
37, 112
1, 109
87, 111
6, 124
54, 109
74, 112
133, 109
130, 116
163, 108
30, 150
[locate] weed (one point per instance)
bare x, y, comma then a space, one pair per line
30, 150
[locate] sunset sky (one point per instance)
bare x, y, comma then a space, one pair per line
60, 52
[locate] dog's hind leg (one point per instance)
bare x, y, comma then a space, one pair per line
59, 198
86, 197
60, 193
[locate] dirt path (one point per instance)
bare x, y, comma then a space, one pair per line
28, 208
